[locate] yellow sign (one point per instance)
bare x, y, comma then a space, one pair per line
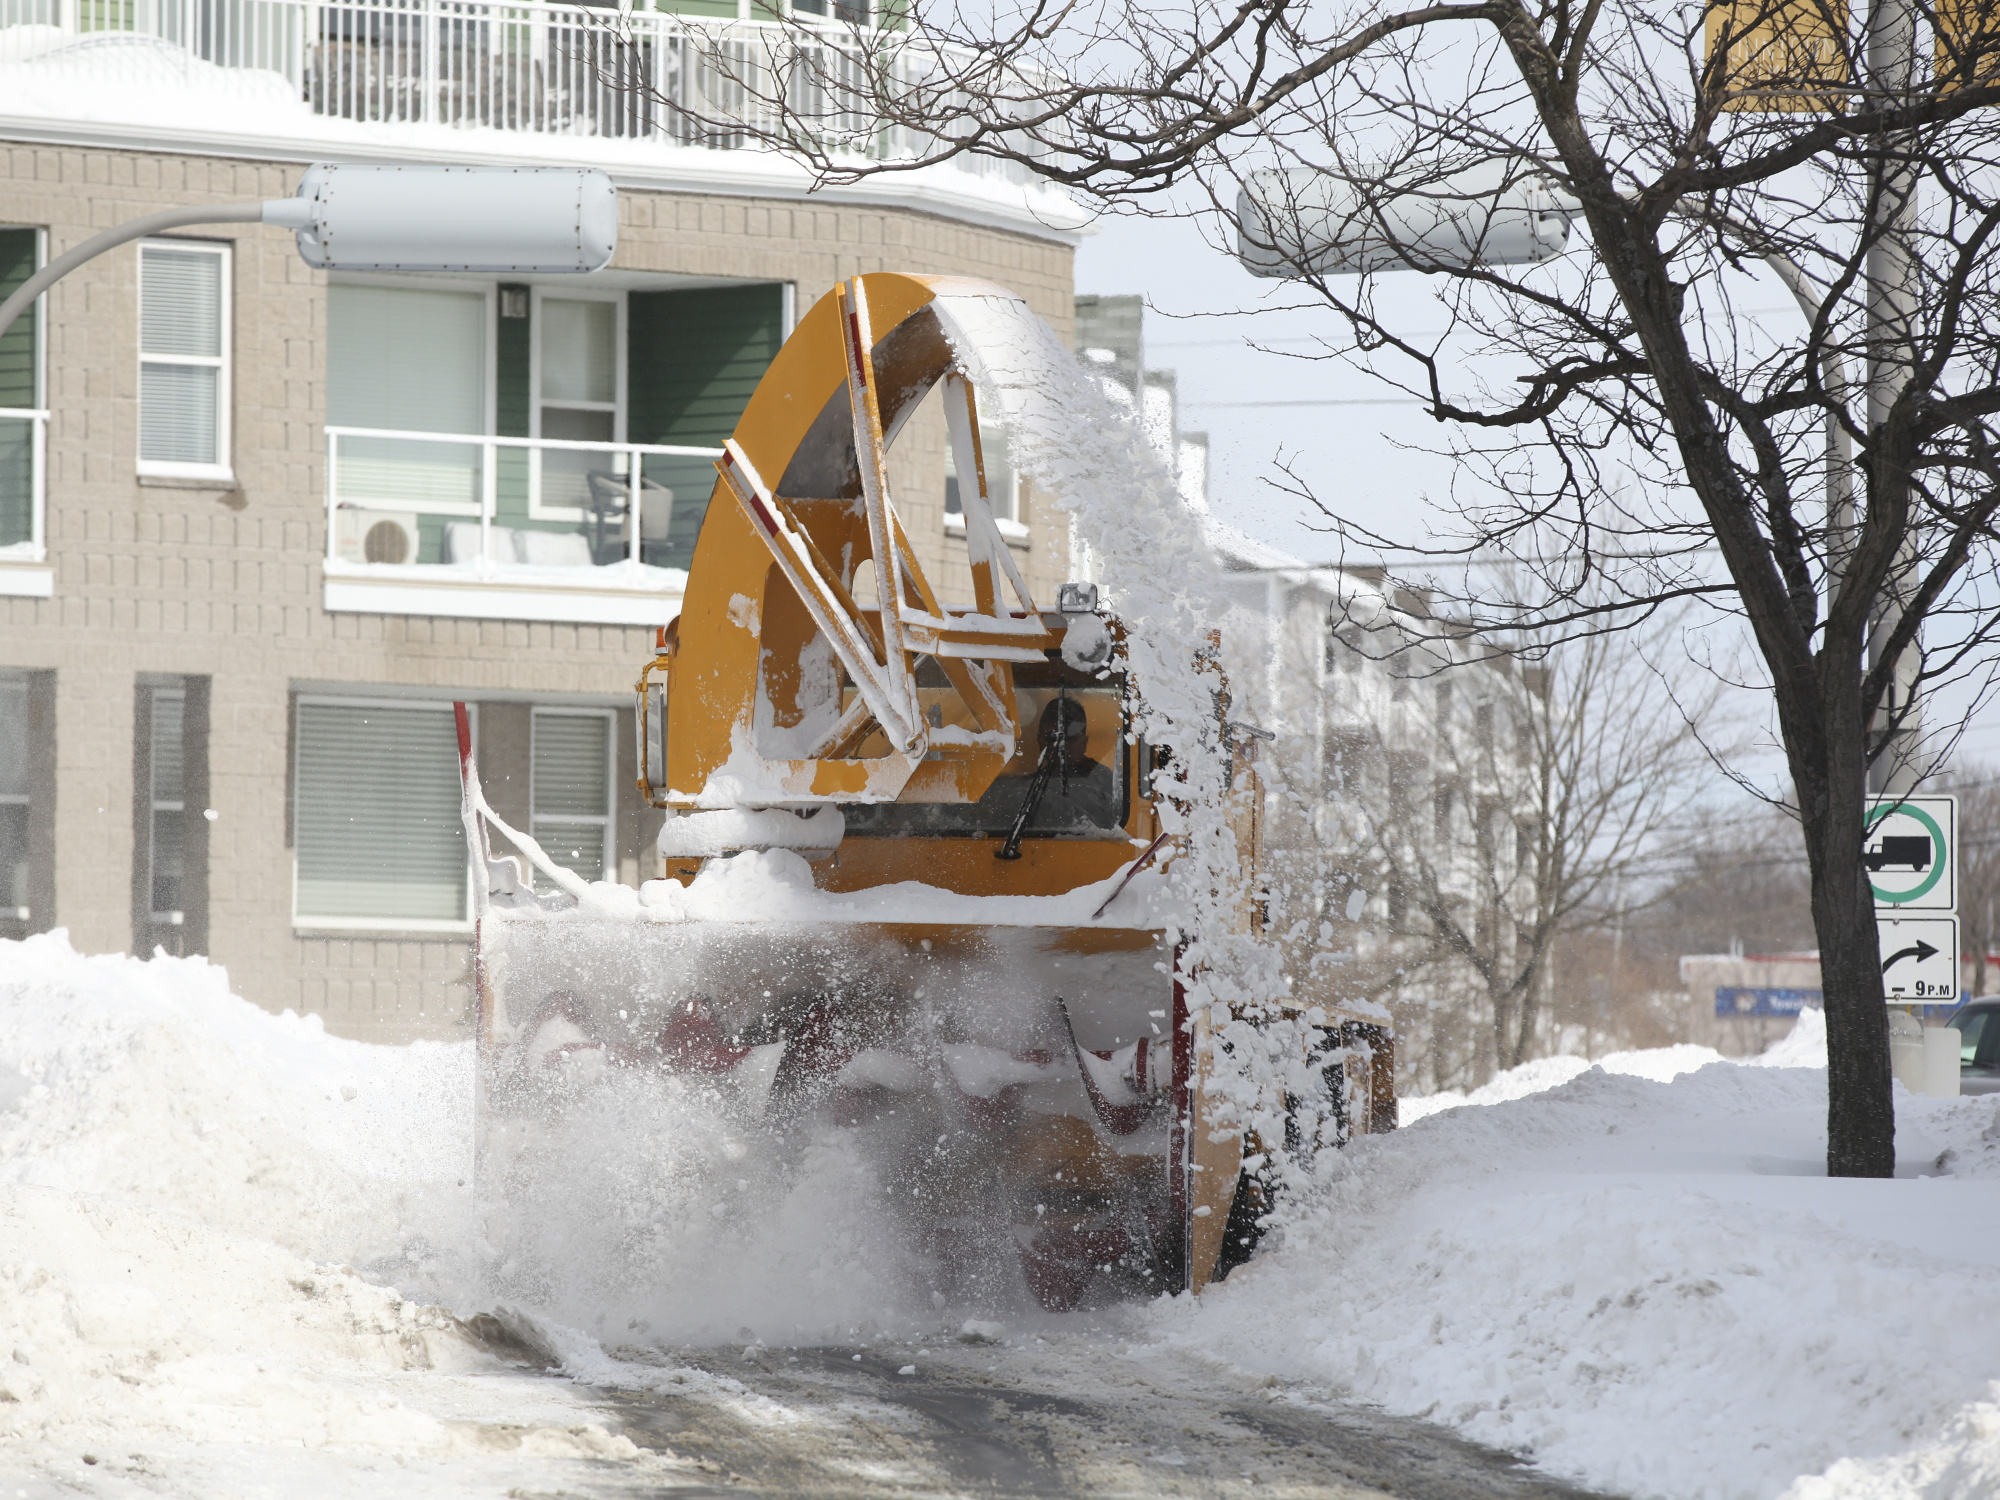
1968, 43
1782, 56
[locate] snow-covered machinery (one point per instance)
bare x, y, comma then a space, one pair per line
913, 855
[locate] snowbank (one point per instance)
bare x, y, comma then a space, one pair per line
1640, 1276
185, 1184
1634, 1272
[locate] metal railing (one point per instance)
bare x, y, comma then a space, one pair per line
500, 506
24, 433
544, 69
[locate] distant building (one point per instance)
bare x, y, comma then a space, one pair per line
1110, 336
260, 526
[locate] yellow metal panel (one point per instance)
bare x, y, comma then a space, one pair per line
1784, 56
1968, 43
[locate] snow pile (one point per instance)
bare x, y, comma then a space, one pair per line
184, 1182
1662, 1065
1651, 1285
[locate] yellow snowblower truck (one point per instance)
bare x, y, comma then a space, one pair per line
944, 923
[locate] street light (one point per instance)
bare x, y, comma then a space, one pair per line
523, 220
1302, 221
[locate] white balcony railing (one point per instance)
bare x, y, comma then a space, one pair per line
527, 66
23, 459
593, 531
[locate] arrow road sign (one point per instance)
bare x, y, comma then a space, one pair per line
1911, 852
1919, 957
1919, 950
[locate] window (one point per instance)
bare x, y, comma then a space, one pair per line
409, 360
1002, 484
27, 802
166, 810
578, 374
14, 867
474, 426
20, 398
570, 785
377, 840
184, 359
1970, 1023
170, 833
579, 397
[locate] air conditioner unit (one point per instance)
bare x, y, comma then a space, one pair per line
375, 536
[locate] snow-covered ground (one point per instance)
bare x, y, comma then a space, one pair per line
185, 1185
1637, 1273
1640, 1274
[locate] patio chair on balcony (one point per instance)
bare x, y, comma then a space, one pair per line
611, 499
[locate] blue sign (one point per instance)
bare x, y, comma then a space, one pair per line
1730, 1002
1748, 1002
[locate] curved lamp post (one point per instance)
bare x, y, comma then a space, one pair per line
561, 220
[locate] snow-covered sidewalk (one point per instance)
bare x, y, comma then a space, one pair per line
1640, 1274
185, 1185
1635, 1273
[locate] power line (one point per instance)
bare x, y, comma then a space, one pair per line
1349, 401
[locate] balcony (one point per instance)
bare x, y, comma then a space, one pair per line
434, 523
24, 568
579, 83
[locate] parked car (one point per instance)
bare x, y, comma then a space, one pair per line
1978, 1046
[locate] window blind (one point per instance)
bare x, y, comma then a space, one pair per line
167, 858
177, 413
571, 789
404, 358
180, 303
377, 831
182, 380
168, 754
413, 360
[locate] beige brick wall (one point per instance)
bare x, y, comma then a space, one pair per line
198, 579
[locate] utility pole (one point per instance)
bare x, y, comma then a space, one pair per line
1892, 194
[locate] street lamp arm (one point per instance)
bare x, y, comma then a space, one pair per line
291, 213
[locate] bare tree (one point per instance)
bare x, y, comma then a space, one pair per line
1527, 817
1447, 810
1831, 486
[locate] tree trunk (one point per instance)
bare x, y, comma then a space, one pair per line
1860, 1105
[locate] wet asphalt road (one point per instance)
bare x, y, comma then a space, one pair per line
1071, 1417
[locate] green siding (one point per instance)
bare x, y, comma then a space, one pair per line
695, 357
512, 396
510, 373
17, 348
693, 360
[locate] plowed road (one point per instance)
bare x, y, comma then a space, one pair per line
1068, 1416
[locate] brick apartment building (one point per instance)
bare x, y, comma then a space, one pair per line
242, 502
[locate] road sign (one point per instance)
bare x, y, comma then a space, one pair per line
1919, 958
1911, 851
